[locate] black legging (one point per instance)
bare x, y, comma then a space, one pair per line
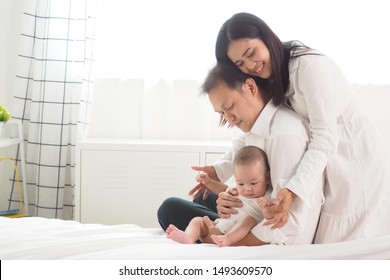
180, 212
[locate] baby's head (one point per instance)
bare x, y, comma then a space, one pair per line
251, 172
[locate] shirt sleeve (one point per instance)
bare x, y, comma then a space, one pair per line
224, 166
285, 153
317, 80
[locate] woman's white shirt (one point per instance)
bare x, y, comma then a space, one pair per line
344, 143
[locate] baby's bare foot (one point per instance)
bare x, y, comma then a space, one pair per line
220, 240
178, 235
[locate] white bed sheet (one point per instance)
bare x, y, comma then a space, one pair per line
44, 239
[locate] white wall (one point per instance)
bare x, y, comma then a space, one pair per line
375, 100
10, 13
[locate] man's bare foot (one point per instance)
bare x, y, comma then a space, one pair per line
178, 235
220, 240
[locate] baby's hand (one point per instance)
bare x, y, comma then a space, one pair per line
203, 178
263, 202
264, 205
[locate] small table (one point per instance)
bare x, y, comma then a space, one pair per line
6, 142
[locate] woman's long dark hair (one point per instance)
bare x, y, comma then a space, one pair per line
245, 25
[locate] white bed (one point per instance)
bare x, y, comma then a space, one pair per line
36, 238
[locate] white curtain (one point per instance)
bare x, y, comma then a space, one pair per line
152, 55
53, 97
154, 109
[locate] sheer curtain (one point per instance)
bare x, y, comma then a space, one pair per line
53, 96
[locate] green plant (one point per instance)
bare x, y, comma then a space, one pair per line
4, 114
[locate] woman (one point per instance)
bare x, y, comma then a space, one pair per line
342, 140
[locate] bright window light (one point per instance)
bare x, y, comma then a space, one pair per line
175, 39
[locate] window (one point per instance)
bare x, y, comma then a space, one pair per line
152, 55
175, 38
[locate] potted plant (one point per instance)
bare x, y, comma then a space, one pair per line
4, 116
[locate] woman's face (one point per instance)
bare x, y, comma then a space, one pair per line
251, 56
239, 109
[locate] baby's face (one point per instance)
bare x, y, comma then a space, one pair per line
251, 180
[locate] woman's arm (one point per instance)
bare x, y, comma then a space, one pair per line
317, 98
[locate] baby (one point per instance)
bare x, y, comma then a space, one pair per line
252, 175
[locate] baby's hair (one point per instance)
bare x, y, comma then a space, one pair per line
249, 154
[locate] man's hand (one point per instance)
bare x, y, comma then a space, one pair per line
226, 200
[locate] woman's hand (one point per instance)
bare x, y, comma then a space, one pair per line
226, 200
281, 208
201, 187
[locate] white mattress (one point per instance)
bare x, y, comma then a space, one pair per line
44, 239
